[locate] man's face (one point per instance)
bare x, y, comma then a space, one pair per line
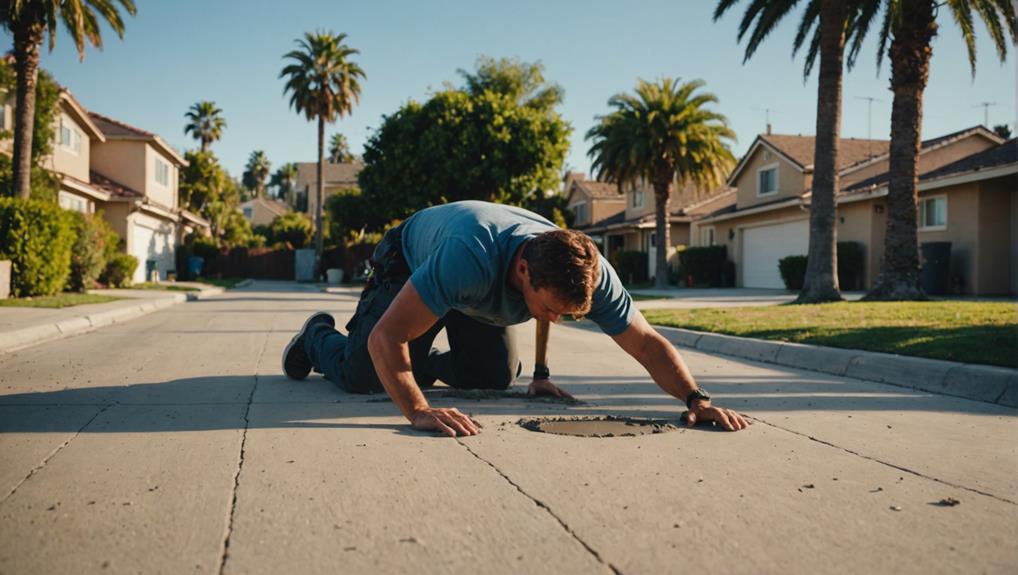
545, 304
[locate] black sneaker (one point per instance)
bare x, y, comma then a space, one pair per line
296, 363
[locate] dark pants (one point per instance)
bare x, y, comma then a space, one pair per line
481, 356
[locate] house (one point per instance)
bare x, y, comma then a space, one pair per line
633, 228
261, 211
338, 177
770, 217
591, 201
140, 172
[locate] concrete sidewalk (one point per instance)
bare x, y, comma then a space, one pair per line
21, 327
173, 444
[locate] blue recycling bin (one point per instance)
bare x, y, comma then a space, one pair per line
194, 266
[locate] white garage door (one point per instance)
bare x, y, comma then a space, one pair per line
763, 246
150, 244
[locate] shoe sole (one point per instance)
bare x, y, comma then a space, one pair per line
296, 338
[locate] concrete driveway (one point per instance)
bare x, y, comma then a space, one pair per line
173, 444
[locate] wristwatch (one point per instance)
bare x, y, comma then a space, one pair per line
700, 393
541, 372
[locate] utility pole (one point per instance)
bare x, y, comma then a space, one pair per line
986, 111
869, 122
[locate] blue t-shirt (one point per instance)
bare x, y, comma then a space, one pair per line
460, 253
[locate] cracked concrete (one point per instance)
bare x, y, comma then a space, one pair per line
172, 444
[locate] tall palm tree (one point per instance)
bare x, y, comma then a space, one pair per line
911, 25
339, 150
205, 123
825, 22
29, 21
324, 84
663, 134
284, 180
257, 172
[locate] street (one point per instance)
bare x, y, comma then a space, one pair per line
173, 443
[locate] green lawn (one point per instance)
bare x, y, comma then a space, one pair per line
57, 301
970, 332
163, 286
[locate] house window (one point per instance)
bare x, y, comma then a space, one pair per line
580, 213
767, 180
70, 138
933, 213
707, 236
248, 212
637, 196
72, 203
162, 172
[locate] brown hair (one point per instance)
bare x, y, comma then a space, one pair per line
567, 263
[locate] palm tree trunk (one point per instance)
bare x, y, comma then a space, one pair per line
821, 282
662, 195
26, 60
319, 193
910, 66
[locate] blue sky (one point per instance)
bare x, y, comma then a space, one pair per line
176, 53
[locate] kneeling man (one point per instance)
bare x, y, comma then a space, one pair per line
475, 268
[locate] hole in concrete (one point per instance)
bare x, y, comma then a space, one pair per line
603, 426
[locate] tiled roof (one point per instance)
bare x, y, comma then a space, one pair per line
114, 128
113, 187
712, 204
274, 206
800, 149
600, 189
1006, 153
342, 173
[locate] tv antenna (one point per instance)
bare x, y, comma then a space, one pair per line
767, 117
869, 122
986, 111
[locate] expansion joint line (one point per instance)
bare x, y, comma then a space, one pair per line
547, 509
891, 465
54, 452
225, 555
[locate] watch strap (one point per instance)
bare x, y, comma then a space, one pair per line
541, 371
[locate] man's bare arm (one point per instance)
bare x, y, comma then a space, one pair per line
666, 367
406, 319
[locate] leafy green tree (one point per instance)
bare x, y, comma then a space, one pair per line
494, 139
662, 134
910, 26
44, 184
29, 21
284, 181
206, 188
1002, 130
257, 172
339, 150
293, 228
824, 23
350, 216
324, 84
205, 123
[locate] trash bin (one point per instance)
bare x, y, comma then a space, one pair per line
304, 265
334, 275
936, 268
194, 267
151, 271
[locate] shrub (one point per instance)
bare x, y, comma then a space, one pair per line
793, 271
92, 249
631, 266
119, 270
294, 229
37, 237
208, 250
851, 258
706, 265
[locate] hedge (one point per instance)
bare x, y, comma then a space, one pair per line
631, 267
119, 270
94, 245
707, 265
37, 237
793, 271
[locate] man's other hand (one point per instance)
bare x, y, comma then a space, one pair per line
546, 387
727, 418
449, 421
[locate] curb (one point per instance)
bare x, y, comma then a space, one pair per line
21, 338
200, 295
998, 385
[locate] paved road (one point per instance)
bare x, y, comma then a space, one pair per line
173, 444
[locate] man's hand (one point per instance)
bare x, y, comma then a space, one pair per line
546, 387
449, 421
729, 419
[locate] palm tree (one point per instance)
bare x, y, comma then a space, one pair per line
323, 84
284, 180
663, 134
339, 150
911, 25
29, 21
205, 123
256, 172
827, 20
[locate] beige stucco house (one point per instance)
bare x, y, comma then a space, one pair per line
140, 172
770, 217
261, 211
338, 177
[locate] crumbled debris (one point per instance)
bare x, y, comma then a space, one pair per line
895, 508
949, 502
